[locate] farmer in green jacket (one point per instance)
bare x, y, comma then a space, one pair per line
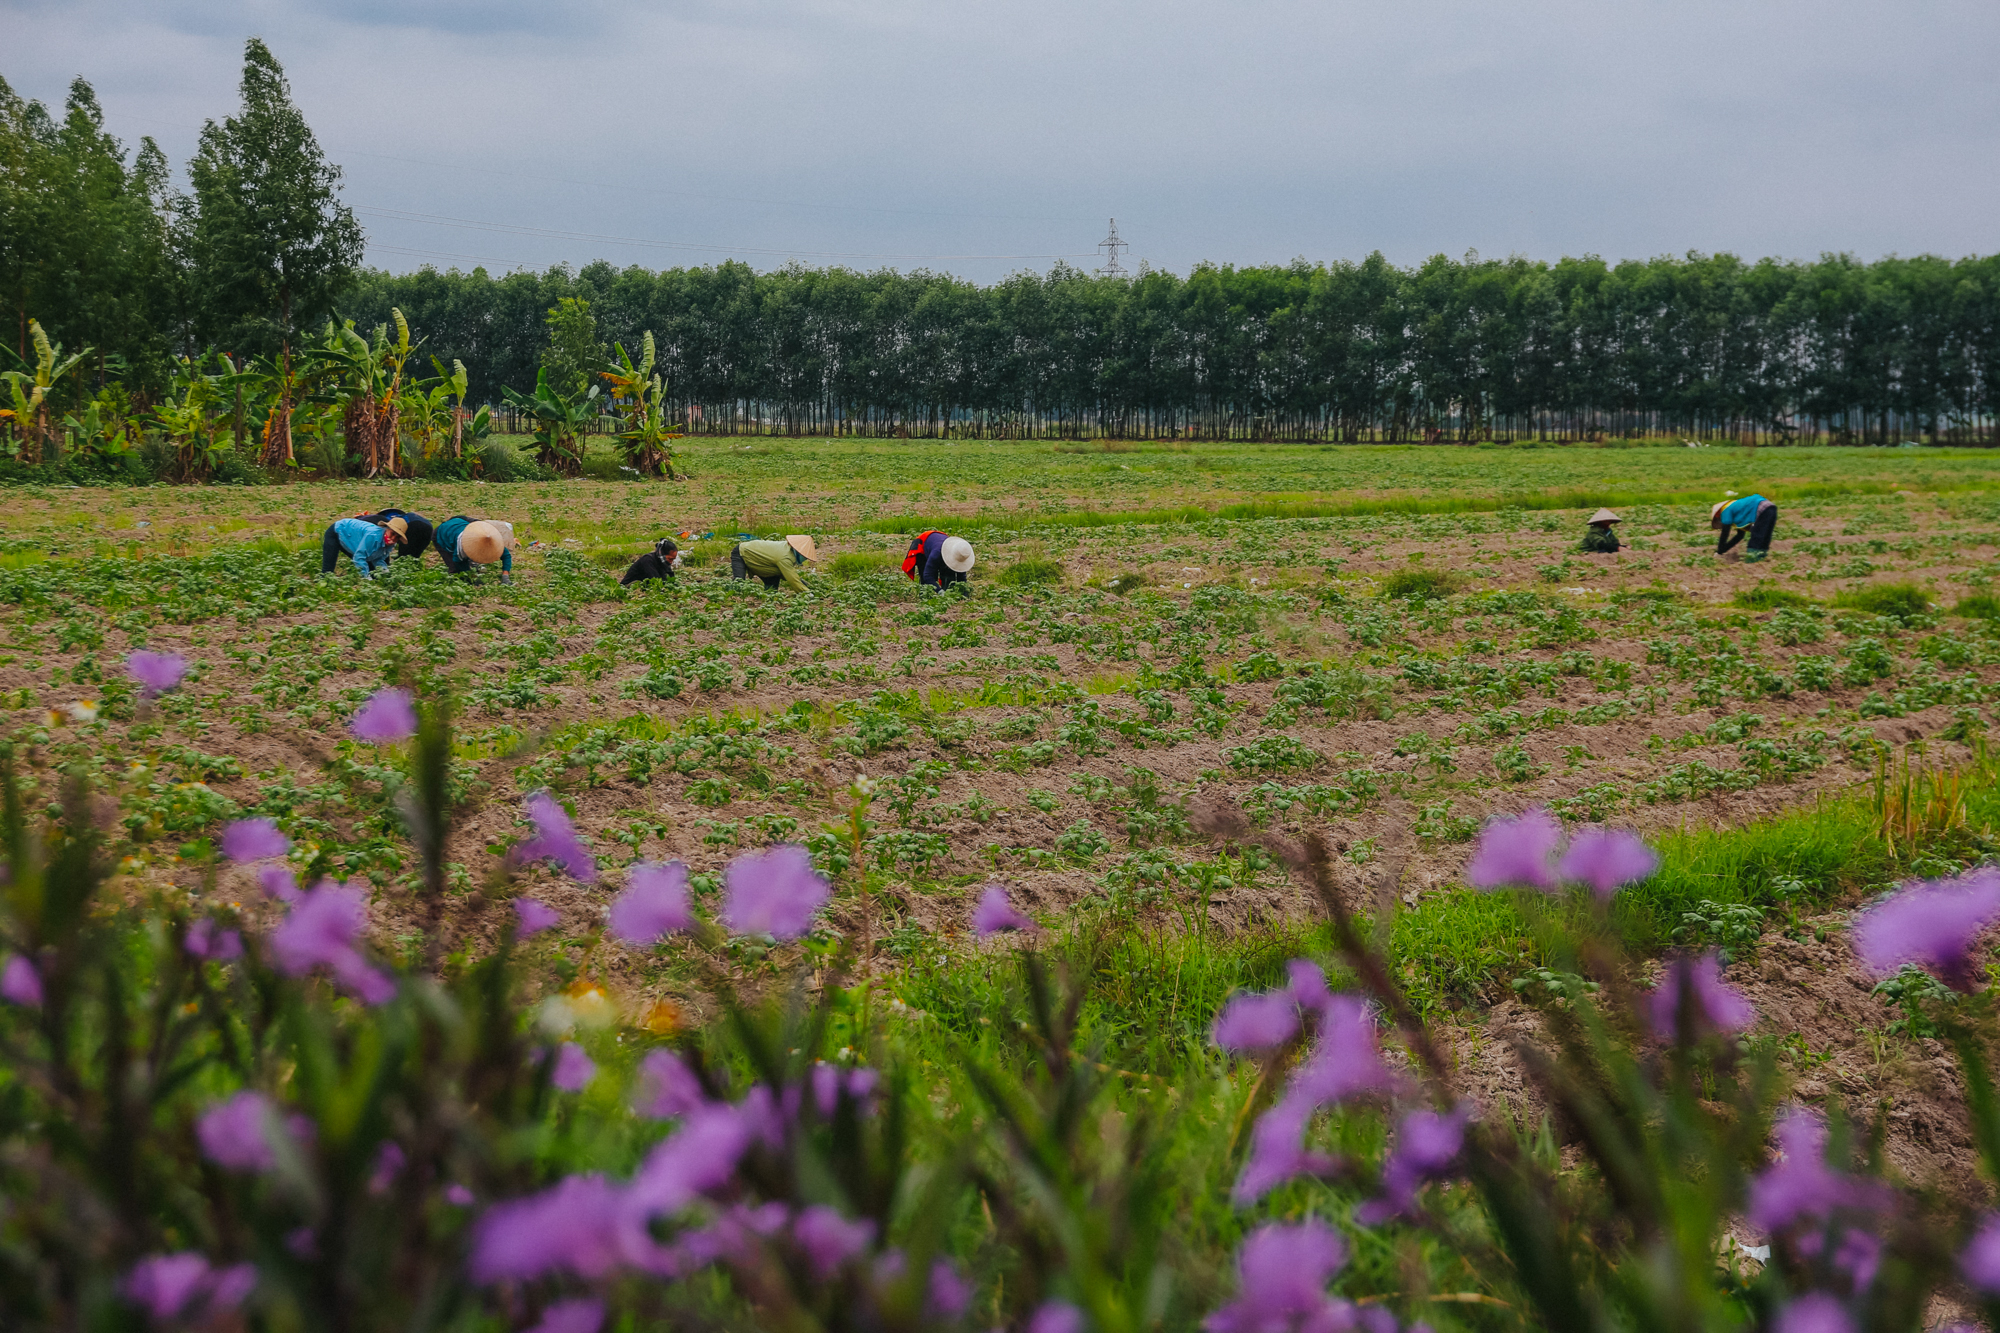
773, 561
465, 542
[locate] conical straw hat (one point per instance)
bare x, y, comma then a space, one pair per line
957, 553
481, 543
804, 546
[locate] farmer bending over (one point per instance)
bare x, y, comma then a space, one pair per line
938, 561
658, 563
772, 561
417, 530
1752, 515
368, 544
1599, 539
465, 542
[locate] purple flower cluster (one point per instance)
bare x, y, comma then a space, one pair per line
556, 840
996, 912
247, 840
1427, 1143
1980, 1261
1800, 1186
667, 1087
830, 1083
533, 916
1696, 985
1344, 1062
573, 1068
212, 942
773, 893
321, 931
242, 1133
655, 904
828, 1240
1282, 1272
156, 673
1522, 852
20, 983
185, 1286
389, 715
579, 1314
1933, 924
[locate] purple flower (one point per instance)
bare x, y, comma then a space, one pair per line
1712, 1003
555, 840
534, 916
574, 1068
388, 715
1606, 859
579, 1314
667, 1087
254, 840
389, 1163
1282, 1272
1814, 1312
829, 1083
572, 1227
208, 941
1345, 1061
655, 903
1516, 851
1981, 1260
156, 672
773, 893
1278, 1150
20, 983
699, 1156
278, 882
1056, 1317
1859, 1255
829, 1240
240, 1133
169, 1286
996, 913
1427, 1143
457, 1195
1257, 1022
1800, 1184
1932, 925
949, 1294
321, 931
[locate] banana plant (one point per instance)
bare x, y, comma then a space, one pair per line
103, 430
636, 391
558, 439
477, 424
30, 390
366, 379
187, 418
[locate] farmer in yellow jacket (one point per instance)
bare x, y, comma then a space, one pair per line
773, 561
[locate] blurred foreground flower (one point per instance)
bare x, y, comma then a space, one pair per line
1522, 851
210, 941
1427, 1143
1800, 1185
533, 916
555, 840
1713, 1004
388, 715
20, 983
321, 931
996, 912
246, 840
239, 1133
180, 1286
156, 673
1933, 924
574, 1068
1282, 1272
773, 893
655, 904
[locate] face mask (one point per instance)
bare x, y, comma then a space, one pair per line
677, 561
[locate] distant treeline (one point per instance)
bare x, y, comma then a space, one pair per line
1709, 346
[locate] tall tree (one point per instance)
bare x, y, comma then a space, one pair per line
270, 245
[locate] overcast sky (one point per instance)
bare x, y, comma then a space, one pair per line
983, 138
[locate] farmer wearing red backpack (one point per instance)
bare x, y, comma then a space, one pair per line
938, 561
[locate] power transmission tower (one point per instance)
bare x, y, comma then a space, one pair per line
1111, 245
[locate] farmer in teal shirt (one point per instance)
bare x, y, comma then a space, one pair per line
366, 543
465, 542
1751, 515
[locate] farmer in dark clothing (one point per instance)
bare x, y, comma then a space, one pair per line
368, 545
465, 542
938, 561
1599, 539
417, 538
658, 563
1751, 515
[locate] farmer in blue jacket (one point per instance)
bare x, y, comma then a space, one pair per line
368, 544
1752, 515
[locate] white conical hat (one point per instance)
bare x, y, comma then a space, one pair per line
957, 553
481, 543
1605, 516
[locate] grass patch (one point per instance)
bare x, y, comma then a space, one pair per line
1423, 582
854, 564
1769, 597
1125, 582
1904, 601
1025, 573
1979, 606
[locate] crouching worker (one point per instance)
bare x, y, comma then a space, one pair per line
368, 544
658, 563
1752, 515
417, 530
773, 561
1599, 539
465, 542
938, 561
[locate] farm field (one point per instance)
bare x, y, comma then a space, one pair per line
1394, 679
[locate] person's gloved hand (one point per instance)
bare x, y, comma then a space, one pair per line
505, 577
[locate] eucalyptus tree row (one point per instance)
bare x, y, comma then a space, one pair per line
1450, 350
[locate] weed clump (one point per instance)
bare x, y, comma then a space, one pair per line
1124, 583
854, 564
1900, 601
1979, 606
1770, 597
1026, 573
1418, 583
